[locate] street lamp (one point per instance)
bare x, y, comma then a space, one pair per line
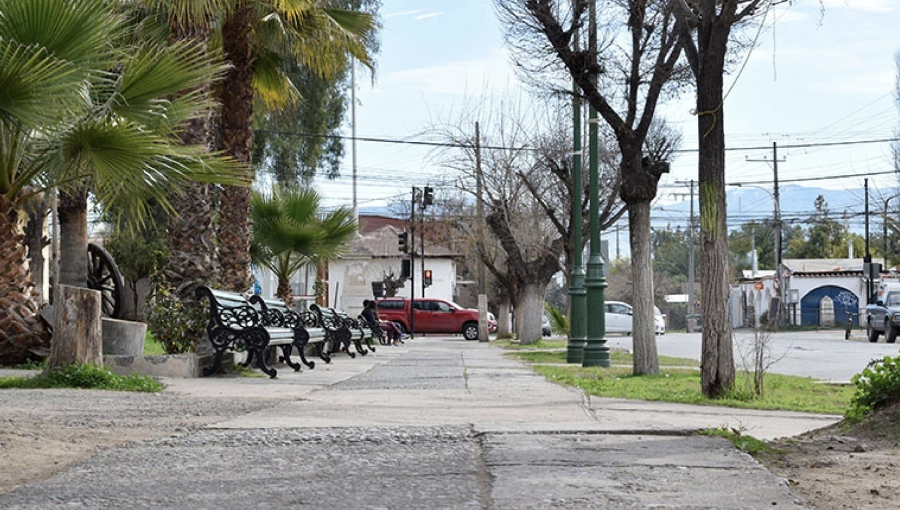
778, 269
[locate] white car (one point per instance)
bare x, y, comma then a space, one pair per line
619, 317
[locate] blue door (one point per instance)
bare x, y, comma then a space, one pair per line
845, 303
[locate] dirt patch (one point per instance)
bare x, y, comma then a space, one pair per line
841, 467
44, 431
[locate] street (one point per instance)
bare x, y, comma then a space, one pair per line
821, 354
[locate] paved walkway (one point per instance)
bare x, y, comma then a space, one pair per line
439, 423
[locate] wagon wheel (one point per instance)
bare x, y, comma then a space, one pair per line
104, 275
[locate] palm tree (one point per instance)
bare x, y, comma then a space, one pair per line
290, 230
258, 36
80, 112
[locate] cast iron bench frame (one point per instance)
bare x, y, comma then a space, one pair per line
234, 324
305, 325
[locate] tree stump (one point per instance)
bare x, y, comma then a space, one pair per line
77, 329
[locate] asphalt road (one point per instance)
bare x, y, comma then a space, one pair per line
821, 354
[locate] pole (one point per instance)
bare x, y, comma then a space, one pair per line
412, 264
690, 303
353, 140
577, 293
422, 242
778, 269
596, 352
867, 258
482, 284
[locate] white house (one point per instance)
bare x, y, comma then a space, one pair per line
376, 255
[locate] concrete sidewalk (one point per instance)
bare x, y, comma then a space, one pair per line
438, 423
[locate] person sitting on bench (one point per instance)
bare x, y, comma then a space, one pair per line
388, 328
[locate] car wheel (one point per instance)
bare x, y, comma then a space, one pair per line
891, 334
470, 331
871, 332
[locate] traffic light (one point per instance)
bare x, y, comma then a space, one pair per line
428, 197
405, 268
426, 278
404, 241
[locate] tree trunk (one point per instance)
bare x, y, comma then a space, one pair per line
529, 312
193, 260
23, 335
236, 138
717, 356
646, 359
77, 329
73, 238
36, 207
503, 326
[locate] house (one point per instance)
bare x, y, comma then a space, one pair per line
817, 292
374, 256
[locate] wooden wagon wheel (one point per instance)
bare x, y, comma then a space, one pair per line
104, 275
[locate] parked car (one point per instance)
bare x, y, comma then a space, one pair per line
546, 330
432, 315
883, 316
619, 317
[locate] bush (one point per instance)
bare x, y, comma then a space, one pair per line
878, 385
176, 325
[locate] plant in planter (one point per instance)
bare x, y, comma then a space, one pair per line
178, 327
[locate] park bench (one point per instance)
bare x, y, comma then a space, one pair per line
360, 331
234, 324
305, 325
337, 331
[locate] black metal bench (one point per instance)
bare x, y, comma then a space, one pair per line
304, 324
360, 331
337, 331
234, 324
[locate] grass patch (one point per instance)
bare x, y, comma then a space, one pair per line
745, 443
152, 346
781, 392
84, 377
540, 344
616, 357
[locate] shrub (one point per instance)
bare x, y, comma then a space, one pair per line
176, 325
876, 386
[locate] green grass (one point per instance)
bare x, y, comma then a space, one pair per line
676, 383
616, 357
85, 377
683, 386
152, 347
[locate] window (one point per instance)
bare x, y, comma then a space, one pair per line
394, 304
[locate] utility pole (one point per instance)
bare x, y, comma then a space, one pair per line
412, 263
777, 198
482, 284
691, 276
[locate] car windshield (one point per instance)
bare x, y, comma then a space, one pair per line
893, 299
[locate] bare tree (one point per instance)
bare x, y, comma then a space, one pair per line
527, 192
705, 30
623, 77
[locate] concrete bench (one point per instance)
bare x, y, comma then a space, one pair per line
234, 324
305, 326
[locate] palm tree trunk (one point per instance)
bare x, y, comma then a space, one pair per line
23, 334
193, 260
73, 237
235, 139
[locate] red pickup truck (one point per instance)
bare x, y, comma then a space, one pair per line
433, 315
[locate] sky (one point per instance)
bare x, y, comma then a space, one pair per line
819, 84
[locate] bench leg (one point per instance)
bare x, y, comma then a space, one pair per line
301, 348
261, 362
320, 352
359, 348
216, 364
369, 344
286, 357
